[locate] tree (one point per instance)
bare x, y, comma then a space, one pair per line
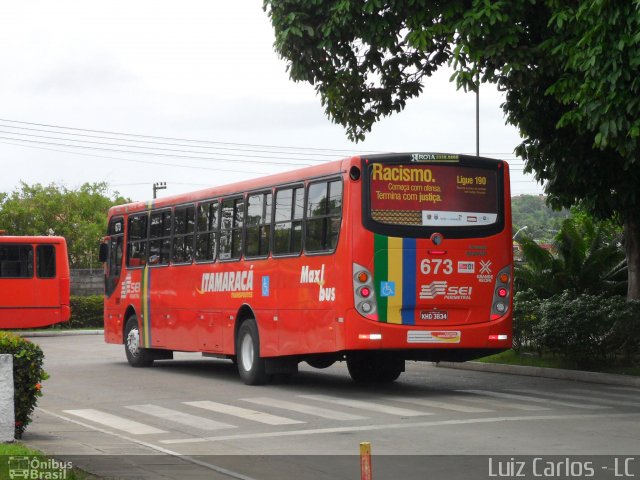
542, 222
78, 215
586, 259
568, 70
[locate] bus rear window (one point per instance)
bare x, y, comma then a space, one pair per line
433, 195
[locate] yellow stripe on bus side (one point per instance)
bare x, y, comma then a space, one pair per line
394, 304
145, 307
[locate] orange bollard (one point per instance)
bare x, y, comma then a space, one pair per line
365, 461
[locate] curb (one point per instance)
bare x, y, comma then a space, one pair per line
57, 333
557, 373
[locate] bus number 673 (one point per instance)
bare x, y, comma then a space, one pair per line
434, 265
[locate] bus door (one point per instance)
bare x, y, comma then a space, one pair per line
111, 254
16, 276
45, 282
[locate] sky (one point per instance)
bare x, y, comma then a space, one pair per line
191, 93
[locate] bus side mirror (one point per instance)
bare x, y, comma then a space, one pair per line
104, 252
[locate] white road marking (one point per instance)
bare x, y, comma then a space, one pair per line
244, 413
527, 398
113, 421
186, 419
596, 398
627, 389
303, 408
600, 393
455, 407
370, 428
503, 403
157, 448
368, 406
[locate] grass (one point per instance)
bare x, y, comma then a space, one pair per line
531, 359
17, 449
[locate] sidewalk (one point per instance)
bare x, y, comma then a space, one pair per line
558, 373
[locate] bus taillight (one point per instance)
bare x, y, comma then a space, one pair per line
501, 294
363, 297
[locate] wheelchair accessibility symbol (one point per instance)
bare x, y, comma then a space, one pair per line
387, 289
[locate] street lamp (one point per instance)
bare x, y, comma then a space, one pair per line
158, 186
519, 230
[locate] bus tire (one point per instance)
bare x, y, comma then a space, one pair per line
372, 368
251, 367
136, 355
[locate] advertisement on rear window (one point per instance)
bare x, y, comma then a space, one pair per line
433, 195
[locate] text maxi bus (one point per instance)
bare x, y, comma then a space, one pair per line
34, 281
374, 260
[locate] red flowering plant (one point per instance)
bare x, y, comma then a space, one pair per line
27, 377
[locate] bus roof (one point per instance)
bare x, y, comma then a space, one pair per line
291, 176
34, 239
283, 178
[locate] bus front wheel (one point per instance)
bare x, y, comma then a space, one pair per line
136, 355
251, 367
374, 368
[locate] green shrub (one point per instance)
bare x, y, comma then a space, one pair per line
27, 376
526, 319
86, 312
589, 330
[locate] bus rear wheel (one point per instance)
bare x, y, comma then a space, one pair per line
136, 355
251, 367
367, 367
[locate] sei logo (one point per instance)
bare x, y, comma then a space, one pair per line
449, 292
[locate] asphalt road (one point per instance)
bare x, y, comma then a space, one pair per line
193, 418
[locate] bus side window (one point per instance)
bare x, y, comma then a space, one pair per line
289, 209
231, 228
137, 240
160, 238
183, 234
324, 212
46, 261
207, 232
16, 261
258, 231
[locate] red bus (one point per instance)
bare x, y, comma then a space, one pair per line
34, 281
372, 259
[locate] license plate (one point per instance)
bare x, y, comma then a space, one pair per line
429, 315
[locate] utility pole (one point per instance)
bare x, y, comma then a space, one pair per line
478, 114
158, 186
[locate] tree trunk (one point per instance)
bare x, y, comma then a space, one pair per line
632, 247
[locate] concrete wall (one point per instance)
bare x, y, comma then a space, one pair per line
7, 416
87, 281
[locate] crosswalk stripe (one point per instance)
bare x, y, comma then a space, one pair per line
513, 396
600, 393
503, 402
440, 404
113, 421
182, 418
244, 413
303, 408
598, 399
370, 406
627, 389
